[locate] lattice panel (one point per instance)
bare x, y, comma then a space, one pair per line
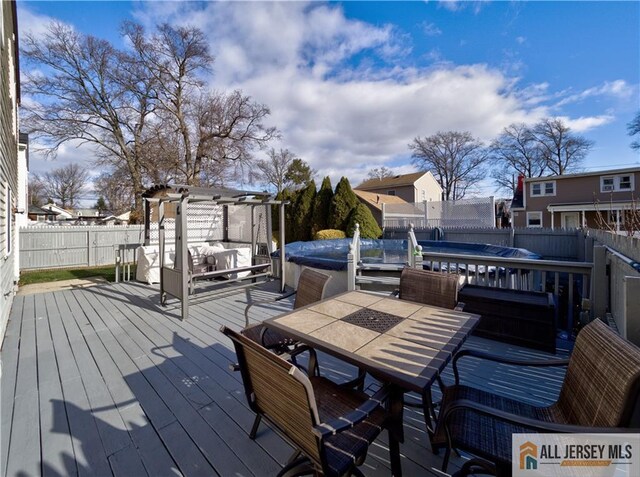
205, 223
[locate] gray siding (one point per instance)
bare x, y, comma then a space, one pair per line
8, 166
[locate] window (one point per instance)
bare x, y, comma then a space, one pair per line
549, 188
620, 183
543, 188
534, 219
625, 183
615, 216
391, 192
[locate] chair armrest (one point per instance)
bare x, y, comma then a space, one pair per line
534, 424
262, 302
503, 360
353, 418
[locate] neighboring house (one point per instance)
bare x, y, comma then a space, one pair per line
62, 214
575, 200
88, 213
414, 187
376, 202
38, 214
123, 219
90, 216
9, 102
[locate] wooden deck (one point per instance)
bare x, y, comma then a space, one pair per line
105, 381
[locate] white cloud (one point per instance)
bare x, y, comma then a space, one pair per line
618, 89
430, 29
343, 92
585, 123
32, 23
520, 40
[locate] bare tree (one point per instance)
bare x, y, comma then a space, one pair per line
210, 126
515, 152
66, 184
36, 191
146, 110
274, 169
116, 190
456, 159
380, 173
611, 218
634, 130
89, 92
562, 150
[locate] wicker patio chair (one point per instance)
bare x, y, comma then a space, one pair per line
600, 393
311, 288
430, 288
329, 426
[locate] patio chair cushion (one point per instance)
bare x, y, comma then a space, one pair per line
349, 447
484, 435
603, 373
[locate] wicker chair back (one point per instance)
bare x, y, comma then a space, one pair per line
311, 287
430, 288
602, 384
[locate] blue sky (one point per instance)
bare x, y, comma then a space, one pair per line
351, 84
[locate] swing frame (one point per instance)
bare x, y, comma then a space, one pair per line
179, 280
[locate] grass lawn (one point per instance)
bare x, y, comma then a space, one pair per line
43, 276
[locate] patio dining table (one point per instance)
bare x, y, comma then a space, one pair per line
401, 343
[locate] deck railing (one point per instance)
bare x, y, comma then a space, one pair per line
519, 274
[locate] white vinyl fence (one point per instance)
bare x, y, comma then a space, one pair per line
75, 246
475, 212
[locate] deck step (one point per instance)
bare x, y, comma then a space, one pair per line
367, 279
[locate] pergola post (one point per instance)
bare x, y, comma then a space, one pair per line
161, 248
147, 221
225, 223
269, 222
283, 258
253, 236
182, 252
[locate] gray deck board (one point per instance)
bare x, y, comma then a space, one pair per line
50, 389
24, 448
105, 381
10, 353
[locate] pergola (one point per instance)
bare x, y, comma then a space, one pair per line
177, 280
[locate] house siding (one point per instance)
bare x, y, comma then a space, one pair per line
409, 192
569, 190
8, 161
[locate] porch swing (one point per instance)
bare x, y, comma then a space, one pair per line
202, 215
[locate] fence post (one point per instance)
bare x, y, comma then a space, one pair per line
91, 259
599, 282
631, 322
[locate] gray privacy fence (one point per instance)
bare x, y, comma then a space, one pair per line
75, 246
556, 244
